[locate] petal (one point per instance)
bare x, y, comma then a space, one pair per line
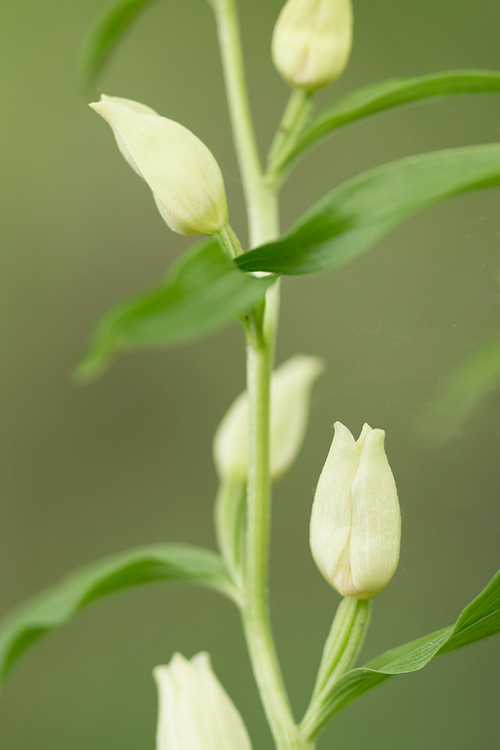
129, 103
227, 725
290, 399
376, 519
230, 446
331, 514
180, 170
364, 432
291, 385
195, 712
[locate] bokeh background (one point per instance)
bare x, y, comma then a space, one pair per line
126, 461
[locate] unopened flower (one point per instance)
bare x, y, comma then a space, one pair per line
195, 712
291, 387
356, 521
183, 174
312, 41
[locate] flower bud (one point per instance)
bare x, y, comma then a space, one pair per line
312, 41
291, 387
195, 712
185, 179
356, 521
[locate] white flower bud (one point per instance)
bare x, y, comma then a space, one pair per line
291, 387
195, 712
356, 521
185, 179
312, 41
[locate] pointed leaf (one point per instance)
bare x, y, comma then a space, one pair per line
461, 393
393, 93
107, 32
105, 35
480, 619
203, 290
355, 215
59, 604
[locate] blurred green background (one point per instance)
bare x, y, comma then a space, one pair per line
127, 460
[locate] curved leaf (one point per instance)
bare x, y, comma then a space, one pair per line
455, 399
480, 619
395, 92
358, 213
203, 290
59, 604
107, 32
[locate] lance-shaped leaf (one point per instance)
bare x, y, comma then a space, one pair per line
107, 32
460, 394
203, 290
59, 604
351, 218
480, 619
109, 28
386, 95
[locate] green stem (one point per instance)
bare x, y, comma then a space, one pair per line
263, 219
256, 610
228, 240
345, 619
262, 214
341, 649
294, 119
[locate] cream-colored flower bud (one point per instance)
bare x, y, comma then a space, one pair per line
185, 179
291, 387
195, 712
312, 41
356, 521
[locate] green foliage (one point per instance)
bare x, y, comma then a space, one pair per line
105, 35
355, 215
385, 95
458, 396
58, 605
480, 619
203, 290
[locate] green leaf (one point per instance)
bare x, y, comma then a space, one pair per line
107, 32
59, 604
480, 619
358, 213
105, 35
393, 93
461, 393
203, 290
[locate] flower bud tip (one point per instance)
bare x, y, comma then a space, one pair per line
312, 41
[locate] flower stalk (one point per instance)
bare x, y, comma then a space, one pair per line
294, 120
341, 649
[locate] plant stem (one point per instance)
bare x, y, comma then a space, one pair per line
262, 209
294, 119
229, 241
256, 610
262, 214
351, 613
341, 649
